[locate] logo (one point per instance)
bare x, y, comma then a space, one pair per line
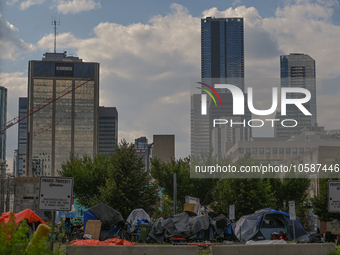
239, 102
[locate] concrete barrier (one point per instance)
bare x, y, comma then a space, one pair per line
277, 249
131, 250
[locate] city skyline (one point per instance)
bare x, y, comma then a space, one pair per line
147, 61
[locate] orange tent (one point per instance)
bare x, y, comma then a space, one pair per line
25, 214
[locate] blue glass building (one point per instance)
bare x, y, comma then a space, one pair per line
3, 120
222, 50
69, 125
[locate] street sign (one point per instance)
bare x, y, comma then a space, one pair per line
232, 212
292, 215
55, 193
333, 196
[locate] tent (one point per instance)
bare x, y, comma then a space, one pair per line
137, 215
261, 224
183, 225
106, 214
25, 214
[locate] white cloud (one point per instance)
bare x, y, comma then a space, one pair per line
146, 68
11, 2
76, 6
28, 3
10, 44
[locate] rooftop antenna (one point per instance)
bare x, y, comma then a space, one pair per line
55, 22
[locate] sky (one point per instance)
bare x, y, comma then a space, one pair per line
149, 50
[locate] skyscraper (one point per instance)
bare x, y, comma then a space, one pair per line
222, 50
108, 129
68, 125
22, 136
3, 120
222, 62
297, 70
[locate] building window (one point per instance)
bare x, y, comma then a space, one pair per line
274, 150
254, 151
241, 150
301, 150
307, 149
248, 150
294, 150
268, 150
261, 150
281, 150
287, 150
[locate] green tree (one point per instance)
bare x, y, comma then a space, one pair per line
201, 188
123, 183
89, 175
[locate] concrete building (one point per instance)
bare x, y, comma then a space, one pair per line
26, 193
276, 149
15, 163
3, 120
108, 130
143, 150
67, 126
164, 147
297, 70
22, 136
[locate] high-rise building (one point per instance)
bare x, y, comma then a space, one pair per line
67, 126
222, 62
3, 120
297, 70
222, 50
108, 129
22, 136
164, 147
143, 149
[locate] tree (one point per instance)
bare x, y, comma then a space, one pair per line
126, 185
89, 175
201, 188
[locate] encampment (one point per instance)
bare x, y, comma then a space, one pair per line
138, 215
263, 223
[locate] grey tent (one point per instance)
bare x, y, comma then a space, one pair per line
137, 214
261, 224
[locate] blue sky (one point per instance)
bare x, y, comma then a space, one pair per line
149, 50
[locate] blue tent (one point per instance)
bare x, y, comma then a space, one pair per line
261, 224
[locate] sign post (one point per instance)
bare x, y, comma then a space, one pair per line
232, 212
55, 194
292, 215
333, 196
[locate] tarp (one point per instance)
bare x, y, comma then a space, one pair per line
248, 226
25, 214
88, 216
183, 225
220, 223
112, 241
42, 215
107, 215
137, 214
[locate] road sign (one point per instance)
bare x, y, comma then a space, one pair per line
333, 196
232, 212
55, 193
292, 215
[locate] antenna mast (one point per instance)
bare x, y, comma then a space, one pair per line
54, 24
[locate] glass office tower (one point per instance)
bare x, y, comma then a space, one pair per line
3, 120
69, 125
297, 70
222, 50
108, 130
22, 137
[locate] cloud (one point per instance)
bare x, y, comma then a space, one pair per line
28, 3
145, 69
76, 6
10, 44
